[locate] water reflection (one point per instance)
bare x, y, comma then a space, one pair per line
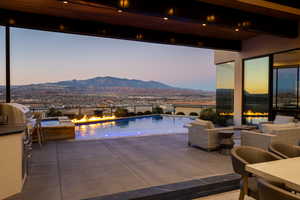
157, 118
256, 88
255, 120
225, 88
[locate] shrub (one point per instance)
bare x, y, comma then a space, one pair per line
147, 112
157, 110
208, 114
98, 113
52, 112
121, 112
130, 114
79, 116
193, 114
168, 113
139, 113
180, 113
221, 120
71, 116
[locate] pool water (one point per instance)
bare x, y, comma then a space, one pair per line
50, 122
150, 125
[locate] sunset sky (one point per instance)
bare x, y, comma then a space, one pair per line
39, 56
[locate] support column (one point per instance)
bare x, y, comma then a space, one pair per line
238, 91
7, 57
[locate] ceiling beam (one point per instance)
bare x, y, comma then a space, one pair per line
275, 5
289, 3
200, 12
93, 28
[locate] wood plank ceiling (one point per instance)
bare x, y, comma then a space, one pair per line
189, 22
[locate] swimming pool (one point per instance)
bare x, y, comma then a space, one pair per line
138, 126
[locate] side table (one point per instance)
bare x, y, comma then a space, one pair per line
226, 141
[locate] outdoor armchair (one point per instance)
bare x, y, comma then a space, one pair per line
268, 191
243, 155
285, 150
279, 119
263, 140
204, 135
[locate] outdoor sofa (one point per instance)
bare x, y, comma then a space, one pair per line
203, 134
283, 129
263, 140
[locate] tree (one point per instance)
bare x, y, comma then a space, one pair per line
208, 114
98, 113
157, 110
147, 112
121, 112
52, 112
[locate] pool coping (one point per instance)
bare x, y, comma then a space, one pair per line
122, 137
192, 189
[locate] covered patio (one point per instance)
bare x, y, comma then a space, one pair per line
98, 169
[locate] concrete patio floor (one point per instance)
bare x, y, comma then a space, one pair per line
82, 169
233, 195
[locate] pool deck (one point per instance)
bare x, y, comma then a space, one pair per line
66, 170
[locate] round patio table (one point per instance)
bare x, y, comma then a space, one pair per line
226, 141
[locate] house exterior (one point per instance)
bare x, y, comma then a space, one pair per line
187, 109
265, 78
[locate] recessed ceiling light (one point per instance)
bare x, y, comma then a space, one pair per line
120, 11
200, 44
12, 21
204, 24
211, 18
172, 40
171, 11
124, 3
237, 30
61, 27
65, 2
139, 36
165, 18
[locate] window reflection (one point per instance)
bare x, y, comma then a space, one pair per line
256, 90
225, 88
286, 79
287, 88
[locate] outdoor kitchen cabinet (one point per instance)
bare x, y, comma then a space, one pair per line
12, 174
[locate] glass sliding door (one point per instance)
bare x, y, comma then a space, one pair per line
225, 88
2, 64
256, 90
286, 82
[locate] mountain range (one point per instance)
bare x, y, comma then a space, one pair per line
108, 85
100, 82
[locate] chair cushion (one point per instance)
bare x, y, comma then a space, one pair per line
205, 123
281, 119
269, 128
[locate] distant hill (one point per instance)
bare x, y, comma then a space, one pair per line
100, 82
